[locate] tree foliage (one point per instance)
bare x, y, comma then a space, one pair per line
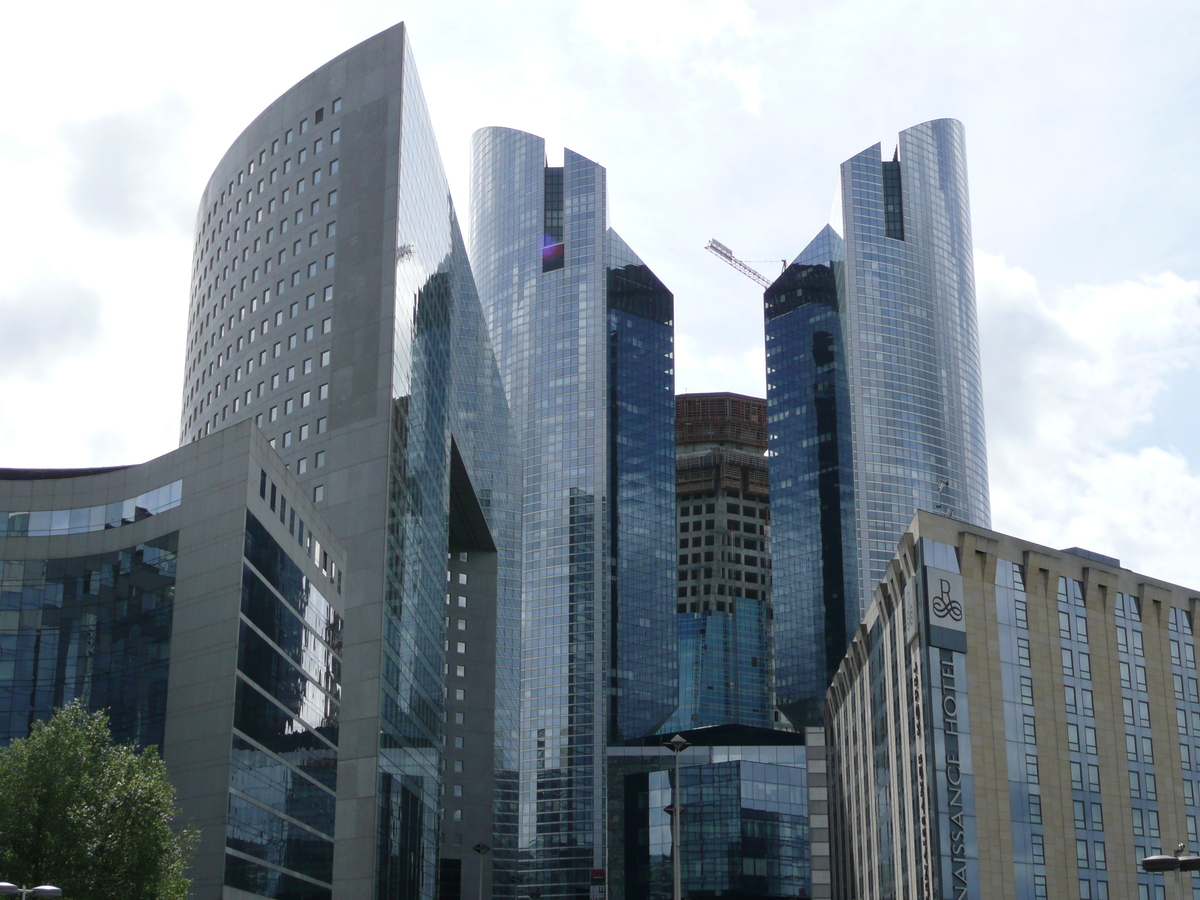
88, 815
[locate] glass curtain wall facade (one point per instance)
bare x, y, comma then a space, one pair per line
875, 395
333, 305
812, 483
912, 341
582, 331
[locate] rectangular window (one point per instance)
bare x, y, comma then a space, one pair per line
1081, 632
1073, 737
1030, 730
1131, 748
1139, 673
318, 493
1122, 638
1089, 739
1031, 768
1035, 809
1093, 772
335, 136
1064, 625
1068, 666
1023, 652
1039, 848
308, 333
323, 392
1081, 854
1069, 693
1027, 690
1099, 855
1087, 705
1139, 823
305, 398
1097, 817
320, 460
1127, 707
1077, 776
460, 647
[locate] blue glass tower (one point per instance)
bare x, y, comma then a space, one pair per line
583, 334
812, 488
874, 395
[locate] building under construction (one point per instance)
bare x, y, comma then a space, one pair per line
724, 593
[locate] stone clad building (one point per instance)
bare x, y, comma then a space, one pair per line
1013, 721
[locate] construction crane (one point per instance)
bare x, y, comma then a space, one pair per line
719, 250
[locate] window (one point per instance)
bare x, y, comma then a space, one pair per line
320, 459
458, 718
331, 229
1093, 773
1031, 731
328, 292
304, 126
318, 493
304, 432
302, 465
305, 398
308, 333
1089, 739
1127, 706
1126, 680
312, 269
274, 414
458, 742
1139, 823
462, 602
1099, 855
1135, 786
1131, 748
462, 624
1031, 768
460, 647
1039, 848
1064, 625
323, 392
335, 136
1087, 705
329, 261
1023, 652
457, 812
287, 136
333, 198
1068, 666
337, 105
1027, 690
1139, 673
460, 671
1035, 809
306, 368
324, 358
1069, 693
1077, 776
458, 792
287, 439
1072, 736
326, 325
1122, 638
288, 406
1081, 854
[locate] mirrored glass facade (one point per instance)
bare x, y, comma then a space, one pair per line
912, 341
582, 330
745, 826
93, 628
333, 305
874, 394
812, 484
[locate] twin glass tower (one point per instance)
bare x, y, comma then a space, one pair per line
334, 305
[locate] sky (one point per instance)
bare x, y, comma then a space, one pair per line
721, 119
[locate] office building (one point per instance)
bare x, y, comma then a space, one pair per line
874, 395
1013, 721
724, 594
199, 598
333, 305
749, 797
582, 331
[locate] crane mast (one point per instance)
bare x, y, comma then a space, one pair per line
719, 250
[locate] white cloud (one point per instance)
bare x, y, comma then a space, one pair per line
126, 170
42, 321
1069, 380
664, 30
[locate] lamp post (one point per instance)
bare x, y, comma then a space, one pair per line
1177, 863
46, 891
676, 745
481, 848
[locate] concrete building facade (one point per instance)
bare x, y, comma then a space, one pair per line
723, 510
1013, 721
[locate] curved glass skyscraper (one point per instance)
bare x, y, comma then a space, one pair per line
874, 396
583, 333
332, 304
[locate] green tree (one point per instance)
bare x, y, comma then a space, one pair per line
88, 815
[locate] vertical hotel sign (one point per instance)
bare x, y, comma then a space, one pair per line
957, 855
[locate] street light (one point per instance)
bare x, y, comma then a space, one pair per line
46, 891
1177, 863
481, 848
676, 745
